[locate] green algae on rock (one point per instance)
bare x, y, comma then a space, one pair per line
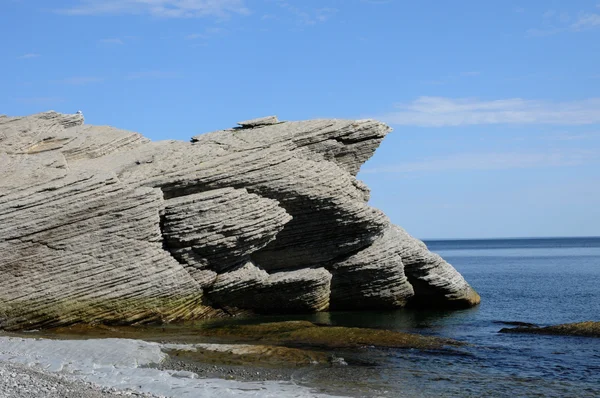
583, 329
293, 334
248, 355
308, 334
113, 311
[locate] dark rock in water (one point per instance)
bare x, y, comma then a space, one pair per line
584, 329
101, 225
517, 323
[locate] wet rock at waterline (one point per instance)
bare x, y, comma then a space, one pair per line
582, 329
102, 225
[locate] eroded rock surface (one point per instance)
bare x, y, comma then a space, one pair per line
101, 225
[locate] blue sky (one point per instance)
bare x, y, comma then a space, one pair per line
495, 104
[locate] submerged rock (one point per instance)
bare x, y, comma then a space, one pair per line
102, 225
584, 329
246, 355
308, 334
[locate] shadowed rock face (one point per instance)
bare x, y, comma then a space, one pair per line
102, 225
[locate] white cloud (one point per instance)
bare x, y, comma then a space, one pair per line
29, 56
491, 161
159, 8
441, 111
557, 22
586, 21
79, 80
111, 41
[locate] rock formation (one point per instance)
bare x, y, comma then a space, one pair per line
102, 225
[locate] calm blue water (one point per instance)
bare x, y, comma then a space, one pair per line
542, 281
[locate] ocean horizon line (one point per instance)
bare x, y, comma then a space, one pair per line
508, 238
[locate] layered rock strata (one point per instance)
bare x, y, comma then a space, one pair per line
102, 225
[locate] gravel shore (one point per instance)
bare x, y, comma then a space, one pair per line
228, 372
17, 381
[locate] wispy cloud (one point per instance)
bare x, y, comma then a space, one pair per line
590, 135
554, 22
29, 56
308, 17
441, 111
491, 161
159, 8
324, 14
79, 80
116, 41
152, 74
586, 21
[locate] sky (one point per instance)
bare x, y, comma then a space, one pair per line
495, 105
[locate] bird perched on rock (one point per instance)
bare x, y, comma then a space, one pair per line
79, 113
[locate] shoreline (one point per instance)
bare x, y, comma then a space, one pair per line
96, 368
22, 381
194, 363
279, 359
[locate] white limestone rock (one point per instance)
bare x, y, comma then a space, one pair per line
373, 278
436, 283
261, 121
222, 226
248, 287
101, 225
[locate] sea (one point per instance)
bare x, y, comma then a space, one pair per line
542, 281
